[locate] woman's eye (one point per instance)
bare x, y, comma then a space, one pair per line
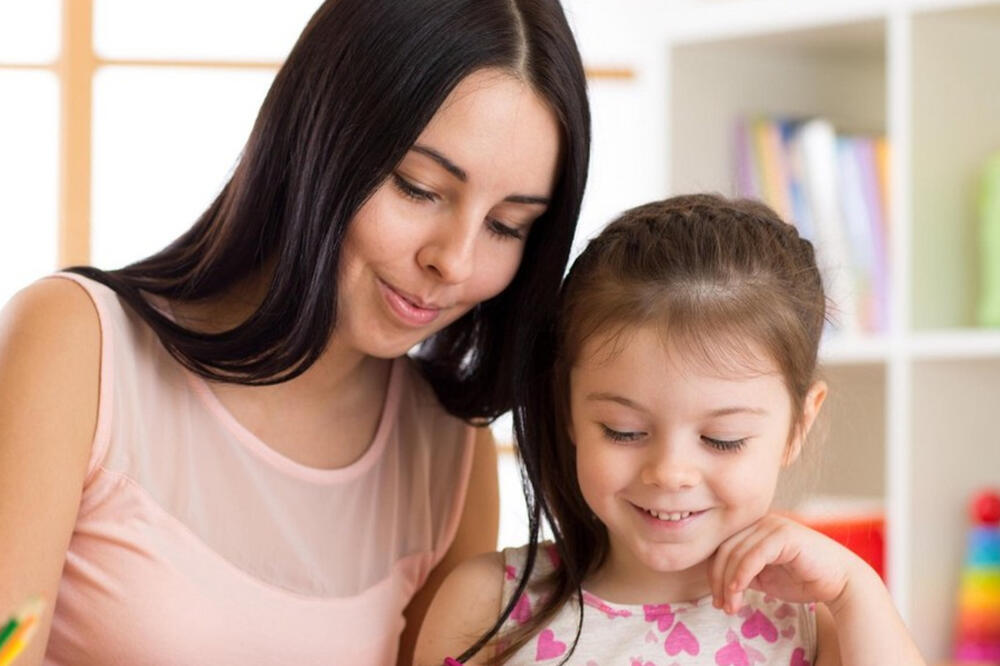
620, 436
410, 190
724, 444
504, 230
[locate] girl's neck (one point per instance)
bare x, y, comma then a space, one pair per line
624, 580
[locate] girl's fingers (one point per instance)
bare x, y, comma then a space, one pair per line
764, 552
724, 556
733, 584
717, 567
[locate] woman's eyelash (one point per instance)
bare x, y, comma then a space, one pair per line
503, 230
412, 191
724, 444
619, 436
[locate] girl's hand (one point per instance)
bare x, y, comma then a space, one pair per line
784, 559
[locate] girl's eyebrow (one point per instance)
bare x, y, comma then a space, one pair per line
726, 411
620, 399
460, 173
632, 404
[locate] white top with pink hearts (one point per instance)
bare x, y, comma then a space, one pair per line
765, 631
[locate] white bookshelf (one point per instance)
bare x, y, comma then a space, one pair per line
911, 415
912, 412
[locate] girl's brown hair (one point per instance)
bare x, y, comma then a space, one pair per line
727, 278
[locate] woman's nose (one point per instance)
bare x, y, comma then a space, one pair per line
670, 467
449, 253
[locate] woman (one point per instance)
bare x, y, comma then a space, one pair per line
222, 454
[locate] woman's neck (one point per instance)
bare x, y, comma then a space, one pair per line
324, 417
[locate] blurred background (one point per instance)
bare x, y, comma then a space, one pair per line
874, 126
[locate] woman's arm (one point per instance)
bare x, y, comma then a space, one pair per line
49, 374
477, 534
467, 604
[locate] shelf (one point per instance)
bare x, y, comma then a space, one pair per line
956, 100
967, 344
845, 350
701, 21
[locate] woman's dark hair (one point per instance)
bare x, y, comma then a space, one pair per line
724, 280
361, 83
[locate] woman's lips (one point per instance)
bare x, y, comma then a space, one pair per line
406, 310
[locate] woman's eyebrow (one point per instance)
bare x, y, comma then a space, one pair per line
449, 166
460, 173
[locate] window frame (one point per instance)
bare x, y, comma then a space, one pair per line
75, 67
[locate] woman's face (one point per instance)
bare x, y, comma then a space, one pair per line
447, 229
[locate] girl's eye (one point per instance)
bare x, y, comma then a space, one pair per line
410, 190
619, 436
725, 444
503, 230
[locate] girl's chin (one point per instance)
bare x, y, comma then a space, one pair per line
657, 561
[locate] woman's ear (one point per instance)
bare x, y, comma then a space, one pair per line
810, 410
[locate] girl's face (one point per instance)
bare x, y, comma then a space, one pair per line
447, 229
674, 456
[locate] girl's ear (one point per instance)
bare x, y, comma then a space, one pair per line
810, 410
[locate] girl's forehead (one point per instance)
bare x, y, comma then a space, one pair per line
714, 354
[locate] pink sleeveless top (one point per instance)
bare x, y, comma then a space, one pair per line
196, 543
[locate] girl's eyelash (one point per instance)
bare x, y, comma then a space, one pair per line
619, 436
724, 444
412, 191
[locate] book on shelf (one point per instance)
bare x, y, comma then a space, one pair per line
833, 188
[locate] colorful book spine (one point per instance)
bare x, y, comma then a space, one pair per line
835, 190
855, 214
818, 143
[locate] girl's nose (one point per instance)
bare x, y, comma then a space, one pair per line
449, 253
670, 467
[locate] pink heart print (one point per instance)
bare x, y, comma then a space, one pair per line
680, 639
798, 658
635, 661
789, 631
510, 572
660, 614
784, 610
735, 654
745, 612
732, 654
651, 637
548, 646
522, 610
758, 625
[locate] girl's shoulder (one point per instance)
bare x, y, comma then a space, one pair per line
515, 561
465, 606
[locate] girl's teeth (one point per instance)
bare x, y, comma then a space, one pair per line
675, 516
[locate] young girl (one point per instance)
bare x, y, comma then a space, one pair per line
683, 382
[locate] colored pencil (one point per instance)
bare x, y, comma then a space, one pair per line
18, 630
